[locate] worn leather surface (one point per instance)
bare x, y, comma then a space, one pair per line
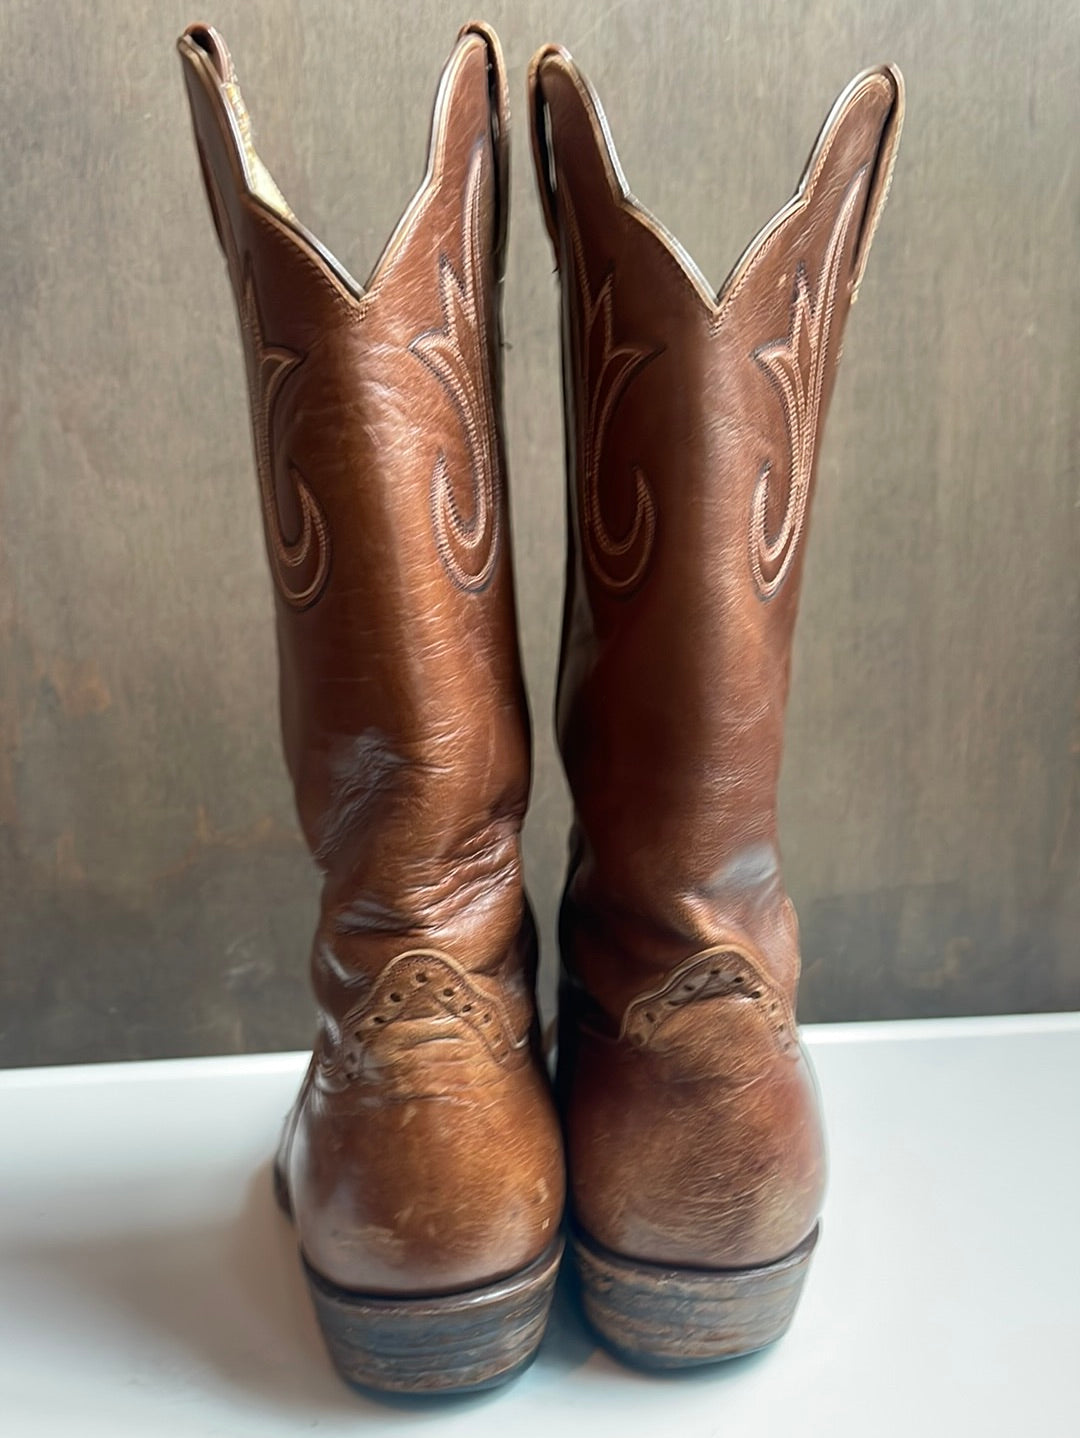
693, 424
423, 1154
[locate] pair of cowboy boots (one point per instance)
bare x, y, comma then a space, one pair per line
423, 1163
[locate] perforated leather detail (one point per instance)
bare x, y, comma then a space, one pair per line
425, 983
719, 973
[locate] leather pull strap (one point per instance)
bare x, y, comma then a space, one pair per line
470, 120
540, 135
857, 143
499, 92
881, 178
570, 138
571, 143
574, 153
230, 163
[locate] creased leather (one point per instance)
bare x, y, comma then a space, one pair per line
693, 423
423, 1155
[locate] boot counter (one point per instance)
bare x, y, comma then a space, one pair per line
717, 1163
437, 1192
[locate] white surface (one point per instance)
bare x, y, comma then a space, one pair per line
149, 1286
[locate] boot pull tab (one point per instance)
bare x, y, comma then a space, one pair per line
542, 143
499, 96
223, 132
570, 137
471, 115
856, 146
881, 175
859, 137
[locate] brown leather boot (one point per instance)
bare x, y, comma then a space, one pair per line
422, 1163
694, 1142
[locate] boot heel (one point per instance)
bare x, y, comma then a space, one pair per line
657, 1317
452, 1343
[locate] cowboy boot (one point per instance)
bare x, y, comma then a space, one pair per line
694, 1143
422, 1163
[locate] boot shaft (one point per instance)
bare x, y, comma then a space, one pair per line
377, 434
693, 429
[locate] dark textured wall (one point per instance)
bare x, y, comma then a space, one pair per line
154, 896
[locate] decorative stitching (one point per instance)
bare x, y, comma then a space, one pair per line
799, 386
434, 977
754, 256
602, 386
723, 972
268, 368
457, 354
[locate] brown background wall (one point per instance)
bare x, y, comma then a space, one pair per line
154, 897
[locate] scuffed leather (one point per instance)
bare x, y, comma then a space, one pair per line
692, 425
423, 1155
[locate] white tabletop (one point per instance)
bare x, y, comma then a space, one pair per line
149, 1286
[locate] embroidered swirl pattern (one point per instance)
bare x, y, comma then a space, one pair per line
457, 355
605, 371
299, 567
796, 367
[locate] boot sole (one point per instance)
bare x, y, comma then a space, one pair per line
652, 1316
440, 1344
